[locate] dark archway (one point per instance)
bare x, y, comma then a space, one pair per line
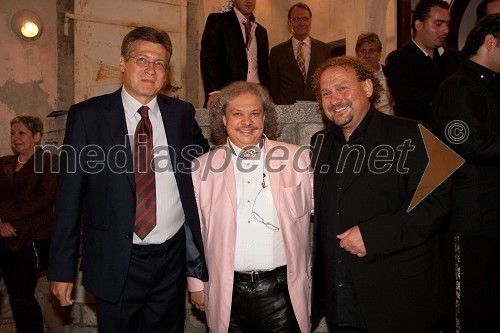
457, 11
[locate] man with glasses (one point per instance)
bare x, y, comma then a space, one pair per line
124, 163
254, 197
292, 63
369, 49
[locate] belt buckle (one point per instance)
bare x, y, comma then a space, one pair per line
255, 276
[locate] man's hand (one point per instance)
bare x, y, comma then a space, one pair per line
7, 230
352, 241
198, 300
62, 290
211, 99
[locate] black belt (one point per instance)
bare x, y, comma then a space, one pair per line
257, 275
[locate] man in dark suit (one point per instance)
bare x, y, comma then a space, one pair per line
288, 83
415, 71
467, 114
376, 264
135, 268
233, 48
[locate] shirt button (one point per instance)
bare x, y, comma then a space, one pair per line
248, 201
248, 182
339, 261
341, 284
248, 221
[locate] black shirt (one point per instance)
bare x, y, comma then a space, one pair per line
342, 303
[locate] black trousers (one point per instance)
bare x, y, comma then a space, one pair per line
20, 277
154, 294
263, 305
478, 308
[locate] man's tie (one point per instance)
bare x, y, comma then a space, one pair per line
248, 32
145, 207
301, 59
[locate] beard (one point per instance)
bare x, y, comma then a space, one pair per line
341, 119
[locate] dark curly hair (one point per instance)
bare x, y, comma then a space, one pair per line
218, 110
347, 62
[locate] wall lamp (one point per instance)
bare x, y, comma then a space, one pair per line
27, 25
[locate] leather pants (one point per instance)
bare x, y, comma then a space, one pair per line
263, 305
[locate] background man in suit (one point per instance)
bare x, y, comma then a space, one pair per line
138, 278
470, 101
376, 265
255, 199
233, 47
369, 49
487, 7
289, 81
417, 69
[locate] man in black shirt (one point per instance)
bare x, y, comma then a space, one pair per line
376, 264
467, 113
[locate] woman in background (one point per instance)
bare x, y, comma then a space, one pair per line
28, 182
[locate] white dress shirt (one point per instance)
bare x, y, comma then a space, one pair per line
258, 248
253, 72
169, 213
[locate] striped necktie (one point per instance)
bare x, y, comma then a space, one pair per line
301, 60
145, 208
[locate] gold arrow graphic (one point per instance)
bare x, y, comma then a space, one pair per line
443, 162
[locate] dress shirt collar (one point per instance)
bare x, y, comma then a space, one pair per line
242, 19
131, 105
360, 131
307, 42
483, 74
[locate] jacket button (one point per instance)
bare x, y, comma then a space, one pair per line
128, 235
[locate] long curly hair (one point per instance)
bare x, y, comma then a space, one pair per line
218, 110
361, 70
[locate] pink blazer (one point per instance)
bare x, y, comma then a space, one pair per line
215, 191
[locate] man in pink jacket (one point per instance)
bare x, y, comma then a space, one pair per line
254, 197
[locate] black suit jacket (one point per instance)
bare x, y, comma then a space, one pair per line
223, 57
472, 96
287, 84
97, 175
397, 282
414, 79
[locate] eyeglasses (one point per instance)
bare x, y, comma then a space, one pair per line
142, 61
298, 19
255, 215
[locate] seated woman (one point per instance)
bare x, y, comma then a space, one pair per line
28, 182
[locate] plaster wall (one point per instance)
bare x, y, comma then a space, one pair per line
28, 69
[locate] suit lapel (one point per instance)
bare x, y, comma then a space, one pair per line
322, 148
172, 125
114, 119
